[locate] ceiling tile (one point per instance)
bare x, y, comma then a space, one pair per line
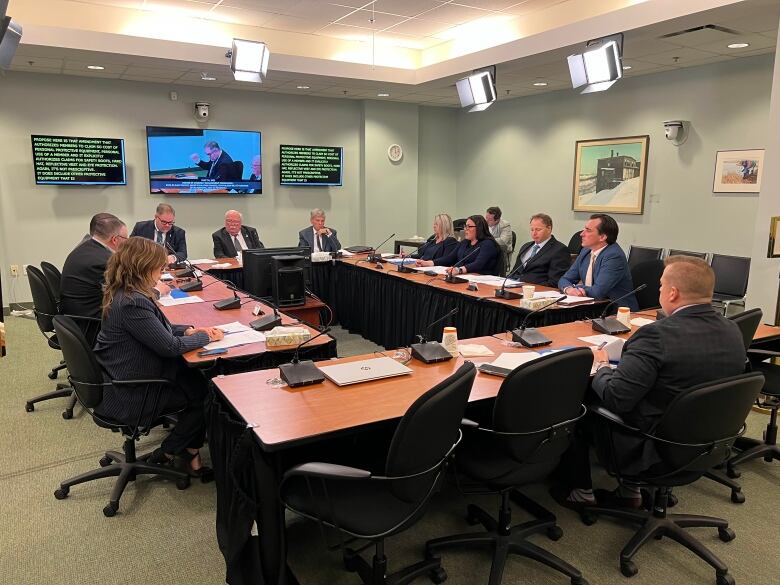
152, 72
26, 68
420, 27
399, 7
757, 21
295, 24
529, 6
678, 57
37, 62
363, 19
646, 46
144, 79
242, 16
89, 73
278, 6
455, 14
82, 65
700, 37
488, 4
755, 41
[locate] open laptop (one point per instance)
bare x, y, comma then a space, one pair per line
364, 371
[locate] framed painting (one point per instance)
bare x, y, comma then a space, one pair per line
738, 171
610, 175
774, 242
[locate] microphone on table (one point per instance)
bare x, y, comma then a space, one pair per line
530, 337
186, 272
430, 352
267, 322
378, 257
302, 373
457, 279
509, 295
233, 302
610, 325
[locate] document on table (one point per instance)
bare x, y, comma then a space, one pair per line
239, 338
346, 253
548, 294
436, 269
234, 327
203, 261
640, 321
222, 265
510, 361
573, 300
614, 345
473, 350
169, 301
491, 280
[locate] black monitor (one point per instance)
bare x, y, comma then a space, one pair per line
258, 268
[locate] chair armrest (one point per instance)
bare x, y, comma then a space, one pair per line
82, 318
327, 471
139, 382
468, 423
762, 353
612, 418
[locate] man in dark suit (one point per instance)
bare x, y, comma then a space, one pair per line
234, 237
544, 259
162, 230
220, 165
318, 237
257, 172
601, 270
692, 346
82, 273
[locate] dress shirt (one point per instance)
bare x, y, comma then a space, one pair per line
241, 241
589, 275
530, 251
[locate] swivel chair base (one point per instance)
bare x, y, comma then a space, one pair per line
62, 391
125, 467
506, 539
657, 524
753, 449
376, 573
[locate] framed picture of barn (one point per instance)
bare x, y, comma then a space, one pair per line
610, 175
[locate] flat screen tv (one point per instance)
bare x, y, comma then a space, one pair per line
310, 166
196, 161
75, 160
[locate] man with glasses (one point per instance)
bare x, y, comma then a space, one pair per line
220, 166
82, 274
162, 230
234, 237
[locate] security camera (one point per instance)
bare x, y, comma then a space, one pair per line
201, 110
676, 131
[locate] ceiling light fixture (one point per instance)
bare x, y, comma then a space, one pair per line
383, 95
599, 66
540, 84
738, 45
626, 67
206, 77
95, 67
248, 60
478, 91
302, 87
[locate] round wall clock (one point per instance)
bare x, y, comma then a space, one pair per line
395, 152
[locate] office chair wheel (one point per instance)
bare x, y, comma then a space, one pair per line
104, 461
554, 533
52, 375
724, 579
738, 497
732, 472
726, 534
110, 510
29, 407
438, 575
671, 501
578, 581
587, 518
67, 414
628, 568
61, 493
183, 483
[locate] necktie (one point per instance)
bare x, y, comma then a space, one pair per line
237, 244
319, 243
589, 274
160, 239
534, 250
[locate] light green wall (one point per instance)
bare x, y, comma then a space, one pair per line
437, 182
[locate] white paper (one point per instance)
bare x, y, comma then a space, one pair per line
491, 280
510, 361
203, 261
640, 321
613, 347
573, 300
222, 265
388, 255
473, 350
436, 269
241, 338
166, 277
346, 253
548, 294
599, 339
234, 327
169, 301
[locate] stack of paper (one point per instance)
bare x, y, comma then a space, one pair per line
614, 345
639, 321
239, 338
169, 301
572, 300
203, 261
473, 350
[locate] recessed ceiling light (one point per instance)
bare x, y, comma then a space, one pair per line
206, 77
383, 95
626, 67
303, 87
738, 45
540, 84
95, 67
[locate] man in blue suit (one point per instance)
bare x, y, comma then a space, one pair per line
318, 237
601, 270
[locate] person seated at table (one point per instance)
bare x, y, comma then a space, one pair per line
544, 259
234, 237
318, 237
441, 243
137, 342
478, 248
162, 229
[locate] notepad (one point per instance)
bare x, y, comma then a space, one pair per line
172, 302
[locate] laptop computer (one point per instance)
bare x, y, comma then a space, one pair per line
364, 371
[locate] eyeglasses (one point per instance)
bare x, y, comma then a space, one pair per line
162, 221
121, 237
472, 226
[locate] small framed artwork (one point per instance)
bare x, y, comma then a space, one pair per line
774, 241
610, 175
738, 171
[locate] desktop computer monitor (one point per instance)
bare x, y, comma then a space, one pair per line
259, 268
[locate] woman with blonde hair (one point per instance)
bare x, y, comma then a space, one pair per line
137, 342
441, 243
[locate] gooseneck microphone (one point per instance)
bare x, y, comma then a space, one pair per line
433, 351
509, 295
610, 325
378, 257
302, 373
267, 322
530, 337
457, 279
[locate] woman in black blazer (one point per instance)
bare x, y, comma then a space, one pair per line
441, 243
477, 252
136, 341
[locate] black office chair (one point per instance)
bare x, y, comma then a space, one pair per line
45, 308
673, 252
694, 435
575, 244
53, 278
640, 254
535, 413
86, 377
648, 273
367, 506
731, 280
238, 171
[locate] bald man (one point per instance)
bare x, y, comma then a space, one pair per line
234, 237
693, 345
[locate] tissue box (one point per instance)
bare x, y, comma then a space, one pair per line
286, 336
533, 304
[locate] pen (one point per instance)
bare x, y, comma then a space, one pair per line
602, 346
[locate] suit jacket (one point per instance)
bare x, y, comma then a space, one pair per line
693, 346
82, 279
223, 241
485, 261
430, 250
221, 169
547, 267
329, 243
176, 237
136, 341
611, 276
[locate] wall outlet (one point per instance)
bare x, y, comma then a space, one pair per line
24, 269
14, 270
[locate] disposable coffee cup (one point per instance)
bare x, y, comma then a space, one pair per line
528, 292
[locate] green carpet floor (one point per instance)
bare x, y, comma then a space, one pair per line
162, 535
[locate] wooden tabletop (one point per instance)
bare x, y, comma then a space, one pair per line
234, 264
205, 315
766, 332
